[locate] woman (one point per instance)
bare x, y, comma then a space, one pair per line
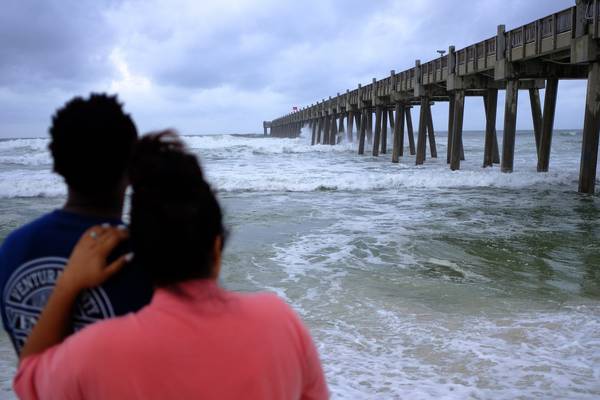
195, 339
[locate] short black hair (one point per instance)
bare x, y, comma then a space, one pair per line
175, 216
91, 143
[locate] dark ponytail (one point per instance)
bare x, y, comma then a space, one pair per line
175, 216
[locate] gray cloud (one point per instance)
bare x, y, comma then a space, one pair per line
54, 42
224, 67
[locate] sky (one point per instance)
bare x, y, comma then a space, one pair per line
223, 67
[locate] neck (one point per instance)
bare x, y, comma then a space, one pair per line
105, 206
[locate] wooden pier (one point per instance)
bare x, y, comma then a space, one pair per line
564, 45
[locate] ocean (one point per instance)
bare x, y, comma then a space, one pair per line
415, 282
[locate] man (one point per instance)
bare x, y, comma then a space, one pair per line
91, 144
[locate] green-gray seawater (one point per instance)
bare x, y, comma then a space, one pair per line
416, 282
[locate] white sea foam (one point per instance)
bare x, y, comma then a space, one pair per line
428, 356
33, 145
35, 159
392, 348
257, 164
27, 183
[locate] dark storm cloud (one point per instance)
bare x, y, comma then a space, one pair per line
47, 41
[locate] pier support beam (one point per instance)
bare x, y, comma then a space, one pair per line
457, 127
536, 116
376, 138
510, 125
369, 126
350, 126
547, 124
421, 139
392, 120
326, 128
384, 125
341, 129
430, 132
490, 101
591, 131
450, 126
313, 140
333, 130
321, 127
362, 133
398, 146
410, 130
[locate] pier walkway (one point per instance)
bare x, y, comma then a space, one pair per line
564, 45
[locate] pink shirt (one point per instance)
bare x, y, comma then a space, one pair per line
197, 342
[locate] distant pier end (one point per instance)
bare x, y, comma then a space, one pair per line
266, 126
564, 45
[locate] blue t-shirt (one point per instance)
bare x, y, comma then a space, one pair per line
32, 257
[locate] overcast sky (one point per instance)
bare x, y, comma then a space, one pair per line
223, 67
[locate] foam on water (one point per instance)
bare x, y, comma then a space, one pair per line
384, 349
264, 164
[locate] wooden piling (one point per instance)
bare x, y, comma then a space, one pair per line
591, 130
409, 129
320, 127
326, 129
384, 124
510, 125
451, 100
457, 127
391, 119
314, 132
333, 130
350, 126
421, 138
547, 124
397, 149
490, 101
536, 116
369, 126
430, 132
362, 133
376, 138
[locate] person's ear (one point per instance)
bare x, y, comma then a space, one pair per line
217, 250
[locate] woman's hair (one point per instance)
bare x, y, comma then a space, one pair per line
175, 216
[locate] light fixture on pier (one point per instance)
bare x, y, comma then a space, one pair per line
441, 52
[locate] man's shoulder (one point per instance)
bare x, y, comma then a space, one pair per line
27, 231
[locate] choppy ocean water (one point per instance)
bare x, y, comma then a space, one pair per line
416, 282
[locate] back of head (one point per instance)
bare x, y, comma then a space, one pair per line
175, 217
91, 143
